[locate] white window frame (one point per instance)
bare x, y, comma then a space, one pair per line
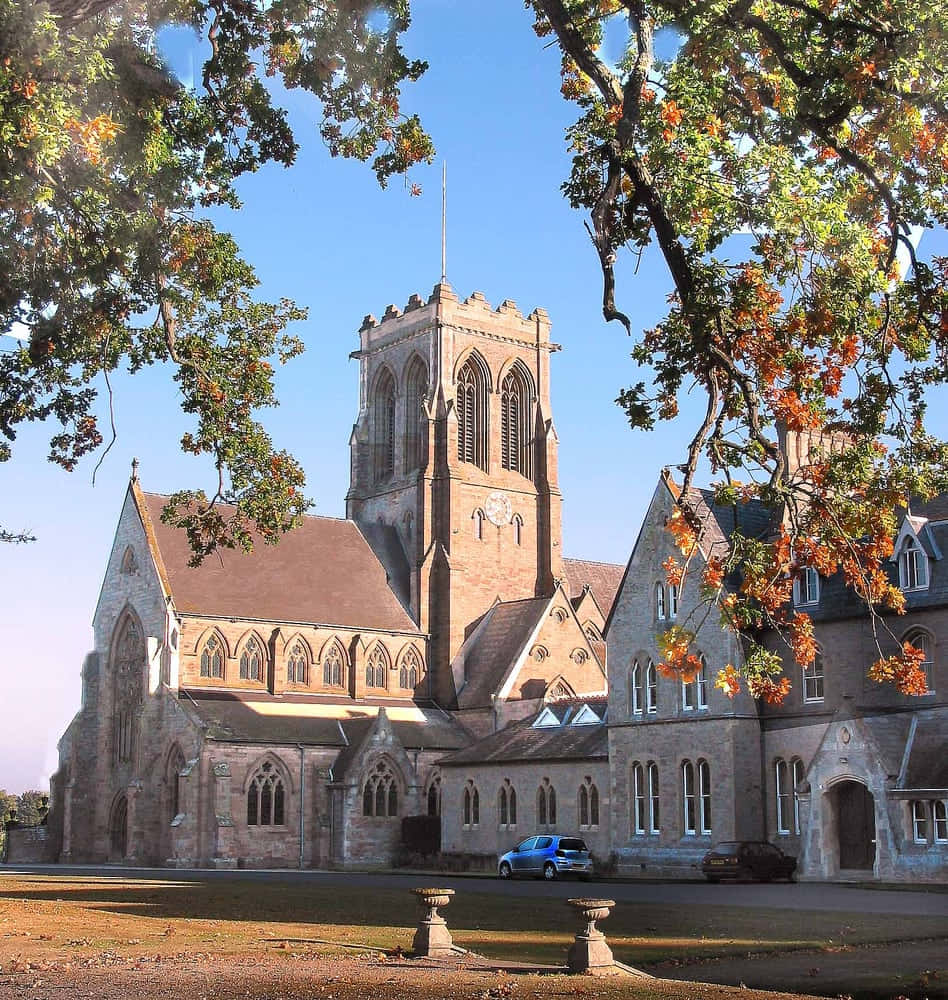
940, 821
694, 693
920, 821
913, 565
660, 606
690, 817
673, 600
782, 776
922, 640
635, 688
814, 680
704, 797
651, 688
654, 803
796, 774
638, 799
806, 587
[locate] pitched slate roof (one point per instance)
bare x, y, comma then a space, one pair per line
928, 762
498, 641
603, 580
521, 742
751, 518
323, 572
273, 720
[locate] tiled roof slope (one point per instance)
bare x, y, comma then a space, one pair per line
323, 572
603, 579
235, 719
504, 632
928, 763
751, 518
521, 742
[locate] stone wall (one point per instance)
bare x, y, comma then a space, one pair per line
27, 845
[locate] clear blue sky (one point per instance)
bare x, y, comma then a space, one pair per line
324, 234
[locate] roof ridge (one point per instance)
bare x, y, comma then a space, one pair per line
598, 562
224, 503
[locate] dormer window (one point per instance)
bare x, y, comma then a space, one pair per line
806, 587
913, 565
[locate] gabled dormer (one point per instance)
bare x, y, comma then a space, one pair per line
914, 551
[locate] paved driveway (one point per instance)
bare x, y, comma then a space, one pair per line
796, 896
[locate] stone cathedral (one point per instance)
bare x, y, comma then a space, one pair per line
290, 706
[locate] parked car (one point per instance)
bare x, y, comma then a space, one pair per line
747, 859
547, 856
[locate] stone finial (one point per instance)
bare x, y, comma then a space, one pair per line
415, 302
134, 470
368, 323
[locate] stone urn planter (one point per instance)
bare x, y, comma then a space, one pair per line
589, 953
432, 939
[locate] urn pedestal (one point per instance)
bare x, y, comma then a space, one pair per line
432, 939
589, 953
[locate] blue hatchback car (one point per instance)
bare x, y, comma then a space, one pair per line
547, 856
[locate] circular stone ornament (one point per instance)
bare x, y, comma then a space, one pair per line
498, 508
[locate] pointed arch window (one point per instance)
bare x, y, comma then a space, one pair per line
472, 412
694, 692
588, 805
380, 792
434, 796
409, 671
546, 804
638, 799
251, 660
518, 529
507, 806
416, 423
128, 673
515, 400
922, 640
385, 427
297, 664
334, 667
175, 767
478, 520
654, 815
660, 611
212, 658
471, 806
376, 668
266, 798
689, 798
651, 688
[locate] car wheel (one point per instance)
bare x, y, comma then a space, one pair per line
505, 871
549, 871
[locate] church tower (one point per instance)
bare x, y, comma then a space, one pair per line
454, 461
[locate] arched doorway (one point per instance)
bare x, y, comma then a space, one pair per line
855, 825
118, 830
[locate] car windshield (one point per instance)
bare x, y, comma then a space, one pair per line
572, 844
728, 847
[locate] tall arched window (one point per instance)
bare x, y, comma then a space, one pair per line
921, 639
471, 805
638, 799
385, 426
472, 386
380, 792
212, 658
588, 805
376, 668
694, 692
266, 805
635, 688
297, 664
546, 804
334, 667
251, 660
515, 402
518, 529
507, 805
704, 797
416, 423
654, 816
651, 688
940, 816
689, 798
128, 677
434, 796
797, 772
409, 671
660, 612
175, 766
478, 524
785, 796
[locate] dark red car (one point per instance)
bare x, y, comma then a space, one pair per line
747, 860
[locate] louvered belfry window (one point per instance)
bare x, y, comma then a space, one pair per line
472, 413
514, 431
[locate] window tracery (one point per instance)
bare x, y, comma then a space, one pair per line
515, 399
385, 426
251, 660
334, 668
472, 412
376, 668
212, 657
410, 670
297, 664
266, 798
380, 792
